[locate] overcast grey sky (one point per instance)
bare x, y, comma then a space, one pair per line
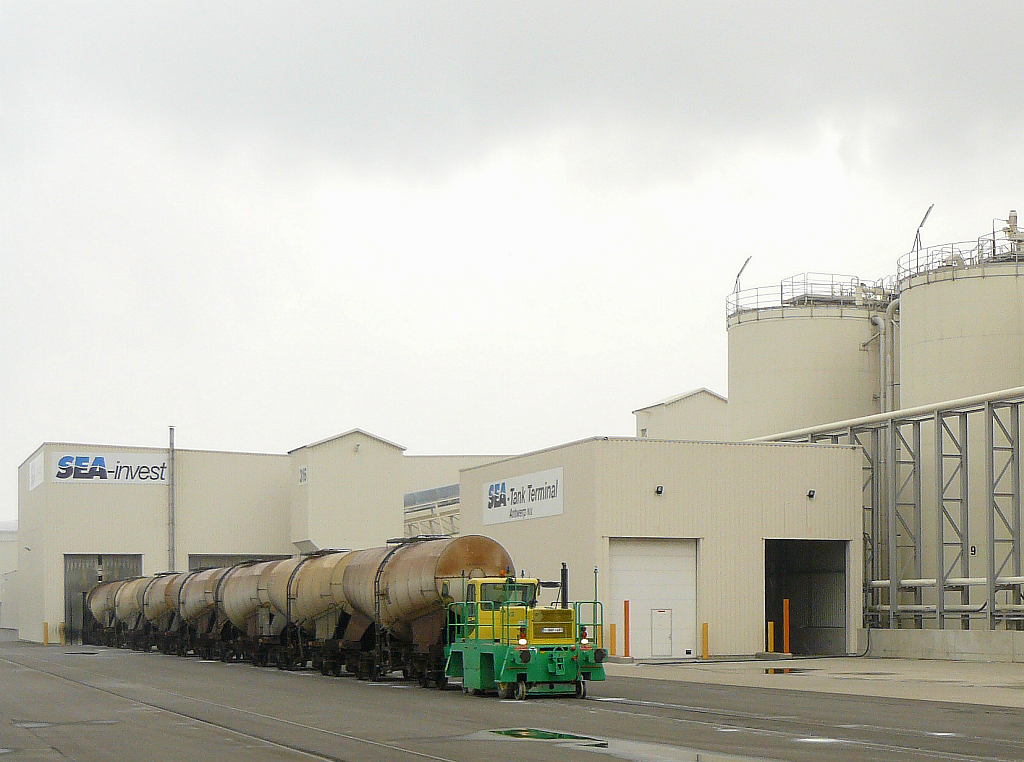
478, 227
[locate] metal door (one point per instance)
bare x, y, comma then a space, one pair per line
661, 632
81, 572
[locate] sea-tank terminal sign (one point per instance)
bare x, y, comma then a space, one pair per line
523, 497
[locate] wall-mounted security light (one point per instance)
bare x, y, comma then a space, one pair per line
356, 448
810, 494
659, 490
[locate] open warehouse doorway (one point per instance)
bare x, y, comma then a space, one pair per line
81, 572
811, 574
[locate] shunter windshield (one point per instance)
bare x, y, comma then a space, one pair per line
499, 593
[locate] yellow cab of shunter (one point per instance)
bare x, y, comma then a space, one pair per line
504, 610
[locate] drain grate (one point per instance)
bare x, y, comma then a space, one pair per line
536, 734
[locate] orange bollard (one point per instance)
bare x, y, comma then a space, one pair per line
785, 625
625, 628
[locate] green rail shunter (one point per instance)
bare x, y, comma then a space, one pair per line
499, 639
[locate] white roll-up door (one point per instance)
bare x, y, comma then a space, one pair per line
659, 579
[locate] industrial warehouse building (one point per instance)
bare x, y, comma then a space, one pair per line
687, 533
882, 491
93, 512
624, 506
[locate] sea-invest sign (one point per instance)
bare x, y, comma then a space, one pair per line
108, 468
523, 497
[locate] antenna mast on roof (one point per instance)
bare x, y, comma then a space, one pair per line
736, 286
917, 238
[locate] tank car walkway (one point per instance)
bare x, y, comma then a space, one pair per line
94, 703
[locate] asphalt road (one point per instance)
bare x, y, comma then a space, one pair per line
89, 703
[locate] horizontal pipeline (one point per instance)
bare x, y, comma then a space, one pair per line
952, 582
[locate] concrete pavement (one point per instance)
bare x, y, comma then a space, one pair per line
979, 683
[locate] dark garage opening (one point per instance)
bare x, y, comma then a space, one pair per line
812, 575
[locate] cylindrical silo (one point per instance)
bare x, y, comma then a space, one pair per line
962, 317
806, 352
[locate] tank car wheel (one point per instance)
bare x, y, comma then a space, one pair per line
441, 683
336, 668
505, 690
405, 673
326, 668
581, 689
423, 681
520, 691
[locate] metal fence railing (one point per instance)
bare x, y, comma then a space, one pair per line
995, 248
812, 289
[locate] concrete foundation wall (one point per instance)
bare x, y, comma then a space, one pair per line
951, 645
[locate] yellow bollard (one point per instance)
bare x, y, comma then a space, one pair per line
771, 637
613, 639
63, 636
704, 653
46, 633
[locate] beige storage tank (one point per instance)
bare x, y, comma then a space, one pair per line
198, 592
243, 599
101, 600
310, 587
962, 317
419, 577
803, 353
129, 598
157, 603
